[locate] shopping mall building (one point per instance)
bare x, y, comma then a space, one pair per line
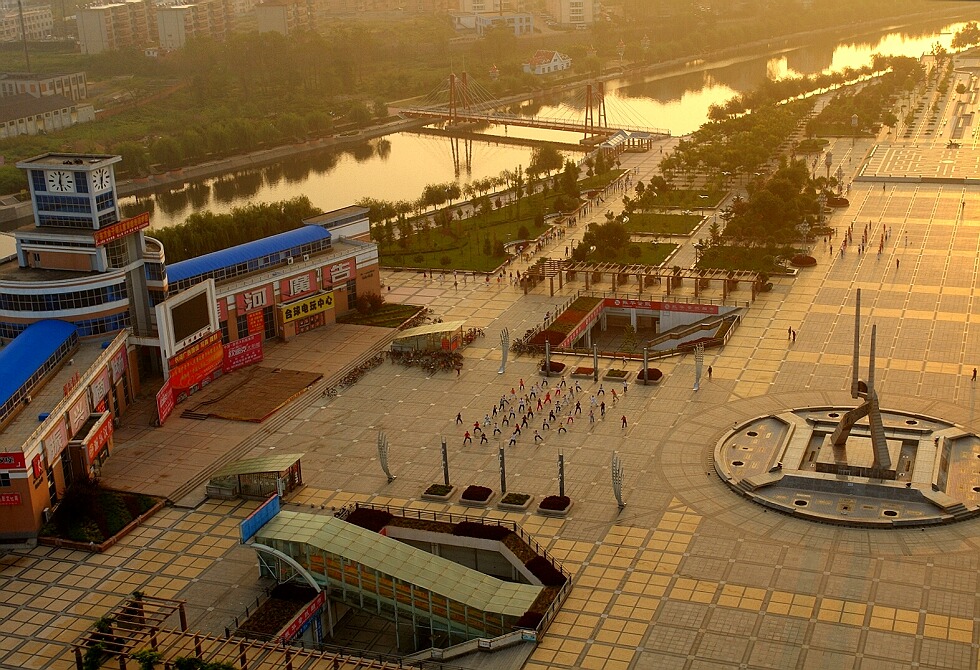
89, 306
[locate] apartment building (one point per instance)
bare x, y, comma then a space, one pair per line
38, 24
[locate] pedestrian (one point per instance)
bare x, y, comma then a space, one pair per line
545, 425
591, 416
483, 438
626, 387
522, 384
794, 337
517, 430
537, 436
578, 407
459, 369
524, 422
602, 391
476, 427
513, 440
455, 284
789, 332
467, 438
602, 409
561, 428
570, 418
615, 397
459, 418
897, 263
709, 372
974, 374
496, 429
624, 421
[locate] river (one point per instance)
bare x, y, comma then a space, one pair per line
400, 165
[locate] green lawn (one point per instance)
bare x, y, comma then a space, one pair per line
662, 224
682, 198
461, 246
389, 316
652, 254
755, 259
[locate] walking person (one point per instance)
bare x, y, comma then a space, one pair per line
602, 410
709, 372
974, 375
624, 421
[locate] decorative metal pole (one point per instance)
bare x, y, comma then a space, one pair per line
561, 474
698, 362
547, 358
383, 455
617, 479
504, 349
445, 463
646, 365
595, 362
503, 470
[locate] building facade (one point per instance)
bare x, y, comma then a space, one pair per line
546, 62
114, 26
573, 12
38, 24
73, 85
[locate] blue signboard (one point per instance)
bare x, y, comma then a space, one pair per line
254, 521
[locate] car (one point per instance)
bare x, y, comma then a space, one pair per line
688, 212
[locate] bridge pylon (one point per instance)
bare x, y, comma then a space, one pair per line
595, 109
459, 96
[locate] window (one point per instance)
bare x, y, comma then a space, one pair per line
4, 479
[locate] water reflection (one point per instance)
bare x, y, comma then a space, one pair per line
399, 166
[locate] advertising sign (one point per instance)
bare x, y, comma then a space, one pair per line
254, 299
193, 371
122, 229
587, 322
193, 350
658, 305
117, 366
99, 388
339, 273
307, 307
55, 441
37, 467
100, 437
294, 627
12, 460
256, 323
165, 401
9, 499
242, 352
298, 286
78, 413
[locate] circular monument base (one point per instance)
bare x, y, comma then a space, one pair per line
912, 470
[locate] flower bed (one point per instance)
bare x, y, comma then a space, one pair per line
438, 492
613, 373
92, 518
559, 329
653, 375
476, 495
515, 501
803, 261
480, 530
555, 506
541, 567
583, 372
555, 369
370, 519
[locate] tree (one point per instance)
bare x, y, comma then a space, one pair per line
545, 159
569, 179
359, 113
166, 151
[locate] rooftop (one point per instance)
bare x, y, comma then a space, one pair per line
25, 353
60, 160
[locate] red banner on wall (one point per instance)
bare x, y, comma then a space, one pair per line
8, 499
13, 460
256, 323
194, 370
99, 439
254, 299
243, 352
165, 401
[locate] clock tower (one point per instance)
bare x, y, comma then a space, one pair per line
78, 228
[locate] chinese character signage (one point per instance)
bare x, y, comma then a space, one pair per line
316, 304
78, 413
12, 460
118, 364
295, 626
99, 388
9, 499
194, 370
193, 350
256, 323
100, 437
56, 440
693, 307
37, 467
254, 299
165, 401
339, 273
243, 352
298, 286
122, 229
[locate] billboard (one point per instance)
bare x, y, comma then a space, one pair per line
316, 304
243, 352
165, 401
194, 365
186, 318
119, 230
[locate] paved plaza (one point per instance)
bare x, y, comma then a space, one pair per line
688, 575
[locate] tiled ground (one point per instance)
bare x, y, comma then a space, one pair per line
688, 575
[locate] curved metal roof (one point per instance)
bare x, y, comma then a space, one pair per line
27, 352
216, 260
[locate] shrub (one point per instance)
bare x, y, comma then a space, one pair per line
549, 575
477, 493
803, 261
539, 220
650, 374
438, 490
635, 251
445, 261
523, 233
480, 530
515, 499
555, 367
556, 503
418, 258
370, 519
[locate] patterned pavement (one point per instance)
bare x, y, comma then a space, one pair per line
688, 575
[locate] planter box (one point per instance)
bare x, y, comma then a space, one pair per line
478, 503
615, 377
99, 548
432, 497
513, 507
559, 513
583, 372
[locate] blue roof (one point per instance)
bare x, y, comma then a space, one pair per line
217, 260
27, 352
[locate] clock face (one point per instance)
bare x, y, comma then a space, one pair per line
100, 179
61, 181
